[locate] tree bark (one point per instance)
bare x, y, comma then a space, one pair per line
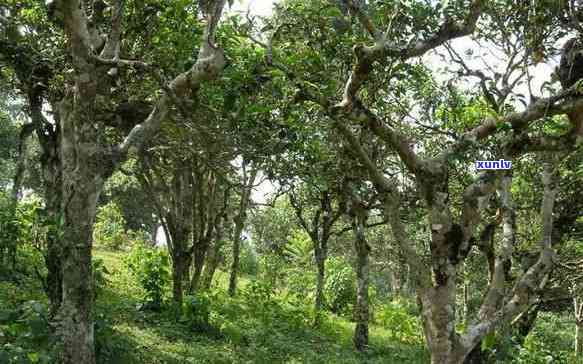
85, 165
320, 255
211, 267
180, 264
76, 308
578, 306
236, 255
362, 277
200, 253
248, 182
53, 184
214, 257
52, 257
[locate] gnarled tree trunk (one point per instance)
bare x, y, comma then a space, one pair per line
236, 254
52, 257
180, 264
85, 165
579, 339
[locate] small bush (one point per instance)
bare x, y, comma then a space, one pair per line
151, 268
248, 260
25, 335
196, 312
109, 229
340, 289
272, 269
99, 277
403, 326
260, 295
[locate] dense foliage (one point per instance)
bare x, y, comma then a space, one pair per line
185, 181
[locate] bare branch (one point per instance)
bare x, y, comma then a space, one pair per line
377, 176
474, 197
121, 62
299, 211
523, 292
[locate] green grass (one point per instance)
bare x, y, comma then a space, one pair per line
243, 335
245, 329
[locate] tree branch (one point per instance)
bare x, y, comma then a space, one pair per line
367, 55
210, 63
356, 10
77, 31
523, 292
111, 49
359, 113
536, 110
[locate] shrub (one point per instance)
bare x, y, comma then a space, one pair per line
340, 289
248, 260
196, 312
151, 268
99, 276
272, 269
260, 295
402, 325
9, 229
550, 341
109, 230
300, 285
25, 335
22, 226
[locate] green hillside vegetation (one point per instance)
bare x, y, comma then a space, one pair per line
291, 181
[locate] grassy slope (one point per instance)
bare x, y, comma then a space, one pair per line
139, 337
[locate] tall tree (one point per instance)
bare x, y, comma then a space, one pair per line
430, 167
86, 159
316, 213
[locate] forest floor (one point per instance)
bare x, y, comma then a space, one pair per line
246, 335
254, 327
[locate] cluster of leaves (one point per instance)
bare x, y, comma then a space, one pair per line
9, 227
400, 318
150, 266
100, 273
271, 308
8, 147
196, 312
109, 229
24, 230
248, 263
340, 289
24, 334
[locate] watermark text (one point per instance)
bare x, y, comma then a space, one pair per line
499, 164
